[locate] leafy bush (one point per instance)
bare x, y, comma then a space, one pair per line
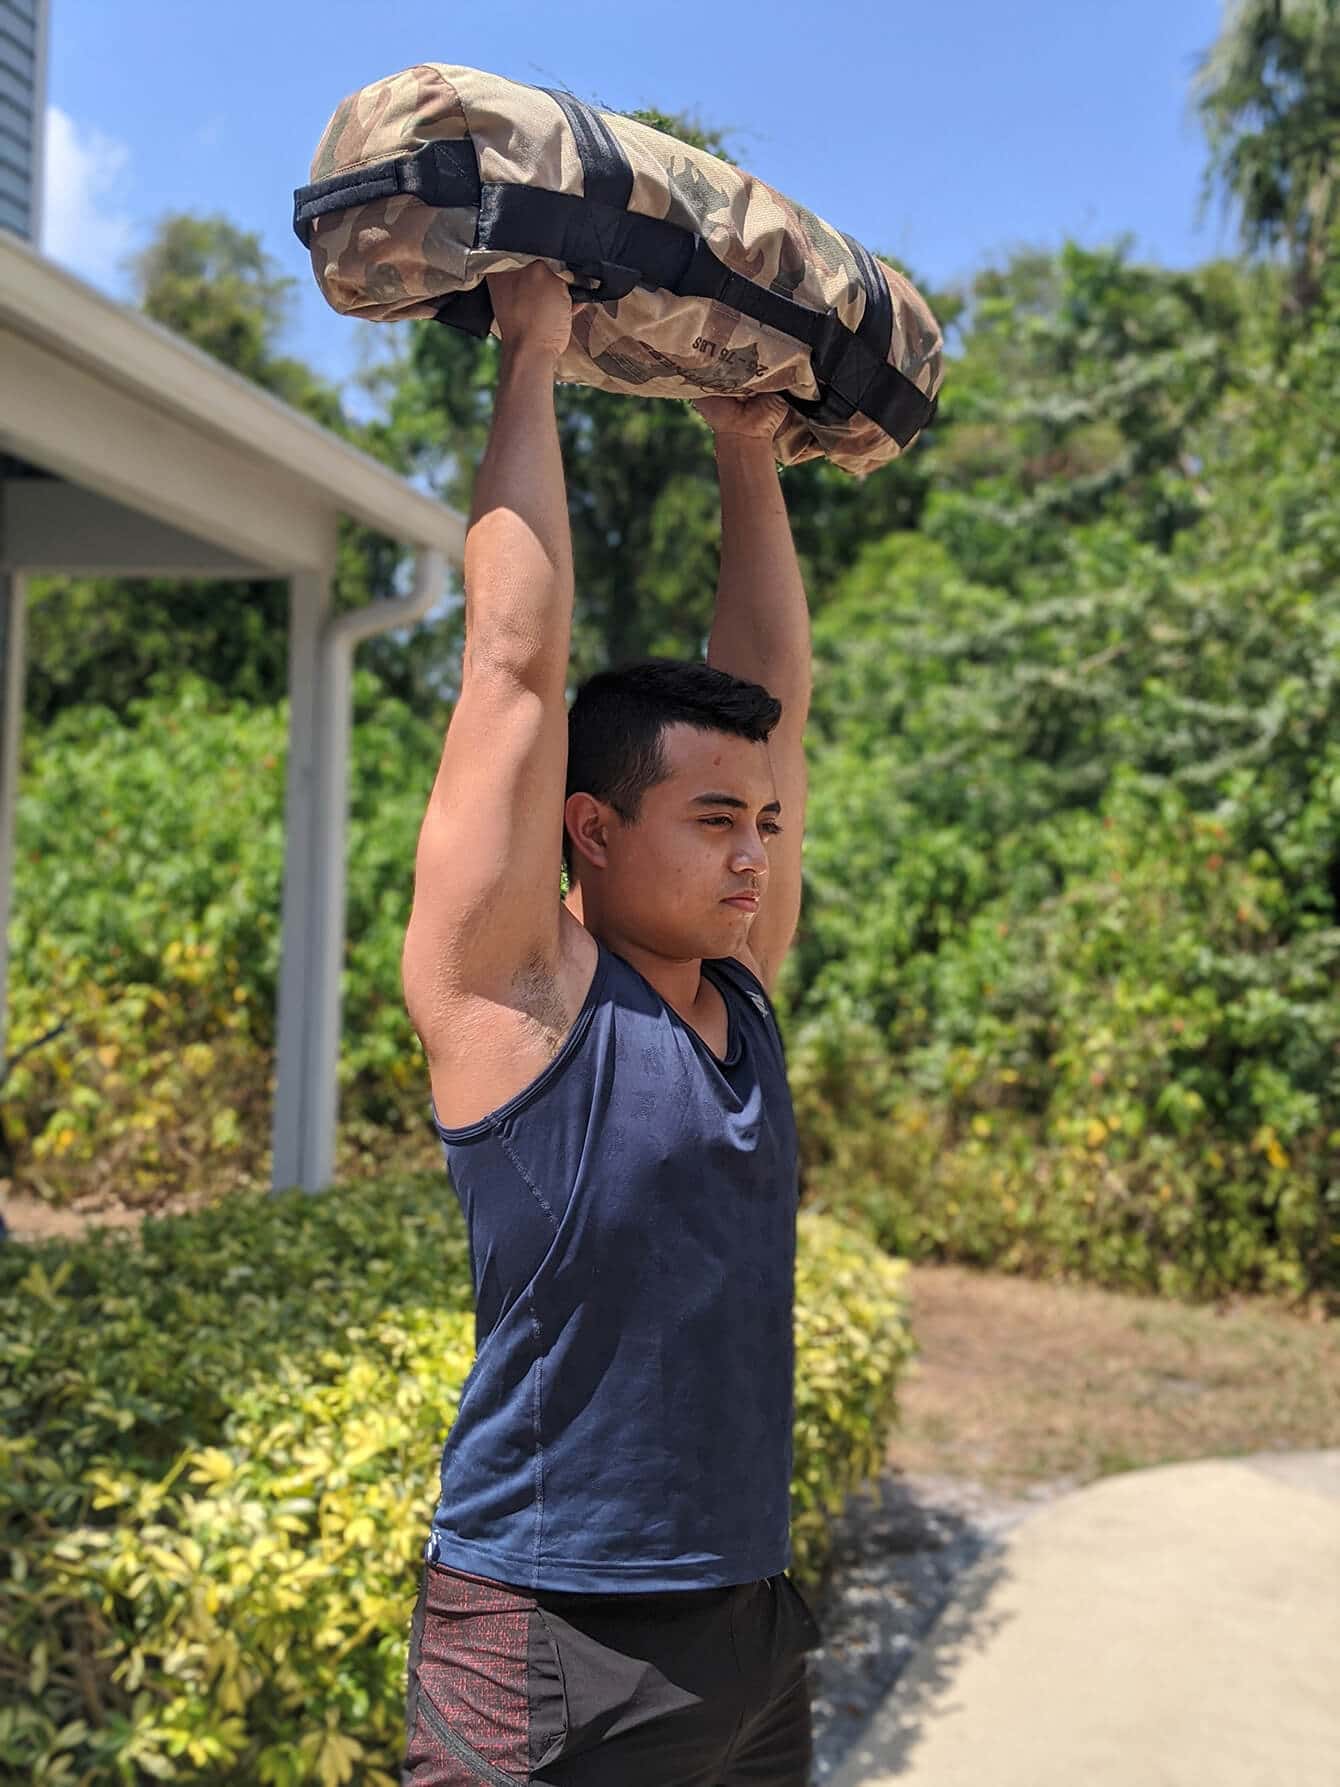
147, 903
1066, 995
1134, 1080
219, 1460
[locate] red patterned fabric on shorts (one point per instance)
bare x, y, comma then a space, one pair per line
469, 1710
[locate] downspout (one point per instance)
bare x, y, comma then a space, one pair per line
392, 611
343, 633
325, 910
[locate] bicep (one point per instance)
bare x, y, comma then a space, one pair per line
486, 873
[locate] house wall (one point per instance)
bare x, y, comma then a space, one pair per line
22, 107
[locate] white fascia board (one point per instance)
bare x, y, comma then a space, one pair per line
53, 309
57, 415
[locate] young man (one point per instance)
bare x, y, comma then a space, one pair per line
604, 1599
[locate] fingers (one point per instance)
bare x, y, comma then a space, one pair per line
532, 305
755, 418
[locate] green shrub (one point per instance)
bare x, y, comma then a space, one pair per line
219, 1460
149, 873
1066, 990
1133, 1079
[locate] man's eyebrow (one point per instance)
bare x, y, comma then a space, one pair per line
732, 800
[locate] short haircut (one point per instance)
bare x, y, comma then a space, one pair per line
618, 718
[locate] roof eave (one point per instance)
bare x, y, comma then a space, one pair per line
70, 318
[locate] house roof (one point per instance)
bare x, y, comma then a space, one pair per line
103, 397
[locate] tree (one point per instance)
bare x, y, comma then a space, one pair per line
215, 285
1268, 93
1080, 380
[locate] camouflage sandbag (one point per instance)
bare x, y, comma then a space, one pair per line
688, 275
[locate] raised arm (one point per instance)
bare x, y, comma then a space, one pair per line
761, 632
486, 883
518, 548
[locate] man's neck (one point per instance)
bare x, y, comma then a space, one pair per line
678, 982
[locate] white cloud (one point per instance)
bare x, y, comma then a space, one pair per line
83, 226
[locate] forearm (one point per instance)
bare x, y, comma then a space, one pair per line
518, 549
761, 629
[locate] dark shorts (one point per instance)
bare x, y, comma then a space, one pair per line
700, 1688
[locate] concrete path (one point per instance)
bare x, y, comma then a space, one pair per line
1177, 1627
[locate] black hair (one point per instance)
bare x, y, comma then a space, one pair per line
618, 718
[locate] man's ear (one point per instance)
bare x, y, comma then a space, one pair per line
588, 822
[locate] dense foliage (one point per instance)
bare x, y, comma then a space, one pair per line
1073, 924
146, 938
212, 1517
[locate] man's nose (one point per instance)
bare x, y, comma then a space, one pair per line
752, 856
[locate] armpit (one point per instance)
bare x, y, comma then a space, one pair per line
539, 997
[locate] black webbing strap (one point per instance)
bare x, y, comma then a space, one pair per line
471, 312
606, 173
847, 362
851, 368
441, 173
876, 325
708, 277
584, 234
599, 238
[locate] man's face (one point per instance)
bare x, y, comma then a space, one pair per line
701, 838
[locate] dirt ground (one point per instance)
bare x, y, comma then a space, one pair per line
1021, 1382
32, 1219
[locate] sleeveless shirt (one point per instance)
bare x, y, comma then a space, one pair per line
627, 1423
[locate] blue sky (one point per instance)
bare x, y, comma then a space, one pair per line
944, 134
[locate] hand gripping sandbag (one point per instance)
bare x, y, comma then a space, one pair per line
688, 276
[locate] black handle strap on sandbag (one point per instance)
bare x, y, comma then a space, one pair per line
441, 173
845, 369
607, 178
615, 249
607, 173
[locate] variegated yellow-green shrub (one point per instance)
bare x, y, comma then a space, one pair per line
220, 1458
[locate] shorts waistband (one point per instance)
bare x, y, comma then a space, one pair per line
669, 1600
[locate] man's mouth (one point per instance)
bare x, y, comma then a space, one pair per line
746, 902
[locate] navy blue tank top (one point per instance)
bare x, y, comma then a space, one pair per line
626, 1426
